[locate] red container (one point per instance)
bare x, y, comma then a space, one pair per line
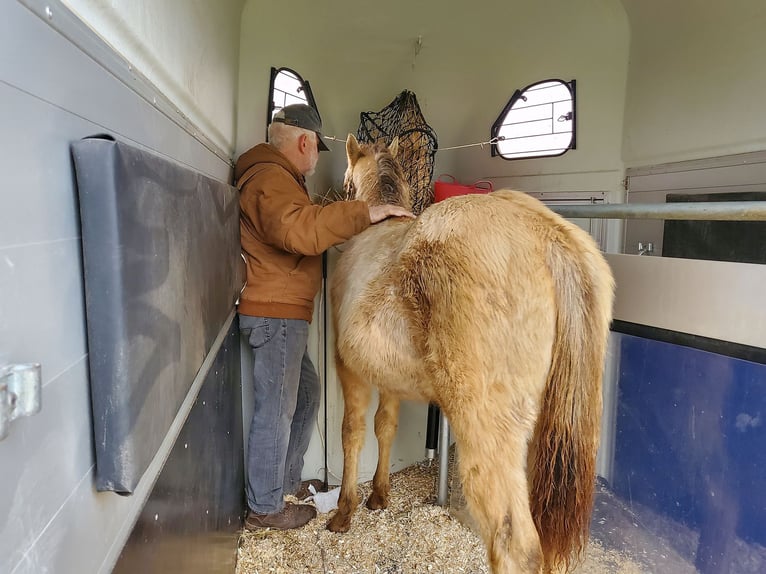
445, 189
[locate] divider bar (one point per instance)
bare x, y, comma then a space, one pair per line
714, 210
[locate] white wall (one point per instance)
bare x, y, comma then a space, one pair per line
696, 81
715, 299
473, 56
187, 48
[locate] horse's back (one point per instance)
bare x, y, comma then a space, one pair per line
501, 215
497, 243
504, 242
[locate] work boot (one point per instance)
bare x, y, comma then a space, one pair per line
303, 490
291, 516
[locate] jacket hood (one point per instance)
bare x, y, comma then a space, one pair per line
264, 153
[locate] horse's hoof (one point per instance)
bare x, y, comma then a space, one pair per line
377, 502
339, 523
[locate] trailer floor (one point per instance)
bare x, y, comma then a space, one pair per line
414, 535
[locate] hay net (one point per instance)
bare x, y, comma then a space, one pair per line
417, 143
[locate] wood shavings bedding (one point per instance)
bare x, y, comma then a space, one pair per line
411, 536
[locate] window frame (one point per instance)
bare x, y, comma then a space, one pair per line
498, 123
270, 107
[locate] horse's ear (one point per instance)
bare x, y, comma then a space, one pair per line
394, 147
353, 151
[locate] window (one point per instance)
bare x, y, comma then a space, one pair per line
287, 87
538, 121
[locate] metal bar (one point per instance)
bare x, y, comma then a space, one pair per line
441, 495
432, 431
714, 210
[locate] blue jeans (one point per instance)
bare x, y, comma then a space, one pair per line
286, 403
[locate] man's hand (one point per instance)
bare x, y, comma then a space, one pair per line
381, 212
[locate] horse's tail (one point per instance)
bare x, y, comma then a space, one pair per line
562, 456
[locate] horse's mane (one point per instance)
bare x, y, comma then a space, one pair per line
392, 185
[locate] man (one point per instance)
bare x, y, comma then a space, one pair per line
283, 236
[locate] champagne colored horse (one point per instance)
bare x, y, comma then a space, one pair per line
498, 310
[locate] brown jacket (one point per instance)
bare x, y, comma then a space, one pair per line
283, 234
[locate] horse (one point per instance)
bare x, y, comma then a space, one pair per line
497, 310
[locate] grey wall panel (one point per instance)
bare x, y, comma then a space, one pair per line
71, 80
56, 445
722, 171
79, 534
162, 266
44, 205
51, 95
42, 306
86, 534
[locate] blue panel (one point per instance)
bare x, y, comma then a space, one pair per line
162, 273
691, 444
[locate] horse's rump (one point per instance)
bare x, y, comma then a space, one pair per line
503, 280
472, 271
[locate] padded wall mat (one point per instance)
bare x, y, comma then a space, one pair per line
162, 273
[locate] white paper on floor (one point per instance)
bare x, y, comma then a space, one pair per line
324, 501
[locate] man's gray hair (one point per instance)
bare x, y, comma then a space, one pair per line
281, 135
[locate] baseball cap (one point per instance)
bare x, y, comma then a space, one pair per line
302, 116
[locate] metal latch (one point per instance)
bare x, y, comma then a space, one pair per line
20, 393
645, 248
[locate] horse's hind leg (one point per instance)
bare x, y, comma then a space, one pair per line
356, 397
386, 422
492, 456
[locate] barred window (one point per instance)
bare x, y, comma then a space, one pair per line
538, 121
288, 87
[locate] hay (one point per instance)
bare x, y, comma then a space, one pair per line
411, 536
